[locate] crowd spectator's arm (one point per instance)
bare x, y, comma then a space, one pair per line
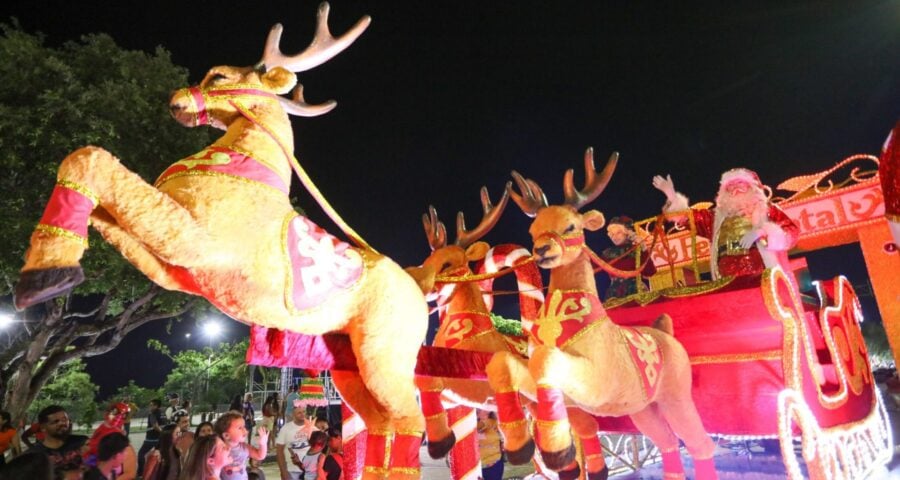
320, 466
259, 453
280, 459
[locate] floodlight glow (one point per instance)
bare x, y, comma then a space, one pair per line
6, 320
212, 328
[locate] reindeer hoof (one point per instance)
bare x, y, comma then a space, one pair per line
557, 461
521, 456
570, 474
441, 448
36, 286
601, 475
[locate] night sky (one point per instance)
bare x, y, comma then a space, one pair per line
437, 99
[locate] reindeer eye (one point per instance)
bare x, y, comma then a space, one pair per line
445, 266
217, 77
570, 228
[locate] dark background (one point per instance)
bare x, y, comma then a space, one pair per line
437, 99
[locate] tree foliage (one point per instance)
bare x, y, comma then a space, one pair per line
71, 387
141, 396
52, 101
210, 377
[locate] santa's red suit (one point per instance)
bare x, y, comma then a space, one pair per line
736, 261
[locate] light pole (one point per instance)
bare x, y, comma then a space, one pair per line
211, 329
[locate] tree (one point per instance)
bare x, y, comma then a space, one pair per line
141, 396
52, 101
211, 376
71, 387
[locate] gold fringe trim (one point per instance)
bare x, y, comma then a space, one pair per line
406, 470
62, 232
436, 416
770, 355
211, 173
551, 423
93, 197
513, 424
892, 217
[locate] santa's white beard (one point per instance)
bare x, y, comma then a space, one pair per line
752, 203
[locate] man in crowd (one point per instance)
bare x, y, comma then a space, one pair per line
293, 396
174, 406
155, 422
63, 448
291, 444
747, 233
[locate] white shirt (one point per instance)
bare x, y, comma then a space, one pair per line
292, 438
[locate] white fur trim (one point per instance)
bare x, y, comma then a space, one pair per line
740, 174
776, 238
680, 202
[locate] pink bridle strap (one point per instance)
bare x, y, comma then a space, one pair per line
199, 96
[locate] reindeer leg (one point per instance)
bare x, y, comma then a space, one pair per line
135, 252
682, 416
437, 428
377, 464
88, 178
549, 366
652, 424
508, 375
585, 426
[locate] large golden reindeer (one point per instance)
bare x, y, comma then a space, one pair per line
465, 321
220, 224
583, 359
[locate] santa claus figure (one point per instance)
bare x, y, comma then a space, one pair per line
889, 173
747, 233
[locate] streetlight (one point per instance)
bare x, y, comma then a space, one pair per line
6, 320
211, 330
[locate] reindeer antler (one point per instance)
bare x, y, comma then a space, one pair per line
434, 229
322, 48
593, 183
492, 214
532, 198
298, 106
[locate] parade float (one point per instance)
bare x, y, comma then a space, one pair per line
779, 358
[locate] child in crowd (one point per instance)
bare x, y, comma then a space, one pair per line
312, 462
208, 456
230, 426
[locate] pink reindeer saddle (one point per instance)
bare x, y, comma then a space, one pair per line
321, 265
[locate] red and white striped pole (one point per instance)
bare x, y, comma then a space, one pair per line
465, 459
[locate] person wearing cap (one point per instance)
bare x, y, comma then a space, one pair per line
623, 255
173, 406
747, 233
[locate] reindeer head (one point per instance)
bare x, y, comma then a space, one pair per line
454, 259
558, 230
227, 93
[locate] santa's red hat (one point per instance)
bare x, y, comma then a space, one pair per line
743, 174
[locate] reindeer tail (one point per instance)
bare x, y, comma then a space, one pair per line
664, 323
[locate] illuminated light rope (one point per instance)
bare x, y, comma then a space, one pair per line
844, 452
791, 317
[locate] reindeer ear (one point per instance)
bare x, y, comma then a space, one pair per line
593, 220
279, 80
477, 251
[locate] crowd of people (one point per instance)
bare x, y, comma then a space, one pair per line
305, 448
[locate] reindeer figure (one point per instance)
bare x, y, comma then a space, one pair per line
465, 321
220, 224
583, 359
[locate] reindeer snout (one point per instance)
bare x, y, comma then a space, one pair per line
540, 251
